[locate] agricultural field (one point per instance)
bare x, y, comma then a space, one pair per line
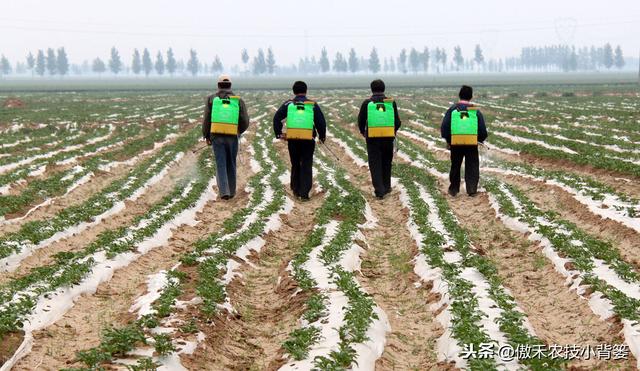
116, 253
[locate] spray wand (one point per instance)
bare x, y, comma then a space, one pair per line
200, 149
330, 151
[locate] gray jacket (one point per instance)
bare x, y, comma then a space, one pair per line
243, 121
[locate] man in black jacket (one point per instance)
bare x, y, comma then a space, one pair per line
379, 122
230, 120
463, 127
304, 121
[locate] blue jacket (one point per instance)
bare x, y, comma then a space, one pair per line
445, 128
319, 123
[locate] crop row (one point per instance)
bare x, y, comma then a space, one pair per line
341, 326
63, 182
61, 110
44, 294
36, 165
615, 156
600, 199
474, 307
594, 263
593, 267
14, 247
214, 259
65, 145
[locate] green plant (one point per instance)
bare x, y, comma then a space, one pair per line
163, 345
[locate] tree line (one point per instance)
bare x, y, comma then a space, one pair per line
565, 58
55, 62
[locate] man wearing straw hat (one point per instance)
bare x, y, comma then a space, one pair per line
225, 119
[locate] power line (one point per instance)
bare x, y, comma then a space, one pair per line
609, 21
301, 35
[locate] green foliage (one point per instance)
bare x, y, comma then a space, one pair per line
163, 345
144, 364
300, 340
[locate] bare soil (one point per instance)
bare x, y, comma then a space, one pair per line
622, 182
100, 180
13, 103
75, 197
387, 274
80, 328
267, 310
132, 209
10, 343
557, 315
551, 198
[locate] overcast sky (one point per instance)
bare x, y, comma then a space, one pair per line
90, 28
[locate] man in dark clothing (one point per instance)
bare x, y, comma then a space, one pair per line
304, 121
463, 127
379, 126
225, 119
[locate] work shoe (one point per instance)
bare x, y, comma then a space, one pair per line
474, 194
380, 196
305, 198
452, 193
226, 197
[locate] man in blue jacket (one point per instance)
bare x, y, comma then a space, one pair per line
304, 121
463, 127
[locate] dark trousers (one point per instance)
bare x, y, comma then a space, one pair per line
380, 153
471, 168
301, 155
225, 148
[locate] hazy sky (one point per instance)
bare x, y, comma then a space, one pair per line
90, 28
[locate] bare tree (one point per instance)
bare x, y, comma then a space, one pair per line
115, 63
136, 62
171, 64
159, 66
618, 59
478, 56
402, 61
193, 65
374, 61
458, 59
414, 60
324, 61
353, 61
52, 62
271, 61
31, 62
147, 65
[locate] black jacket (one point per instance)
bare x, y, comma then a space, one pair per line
362, 116
243, 121
445, 128
319, 123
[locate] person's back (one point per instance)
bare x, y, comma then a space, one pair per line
463, 127
304, 122
378, 122
225, 119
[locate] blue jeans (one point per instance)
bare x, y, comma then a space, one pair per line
225, 148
